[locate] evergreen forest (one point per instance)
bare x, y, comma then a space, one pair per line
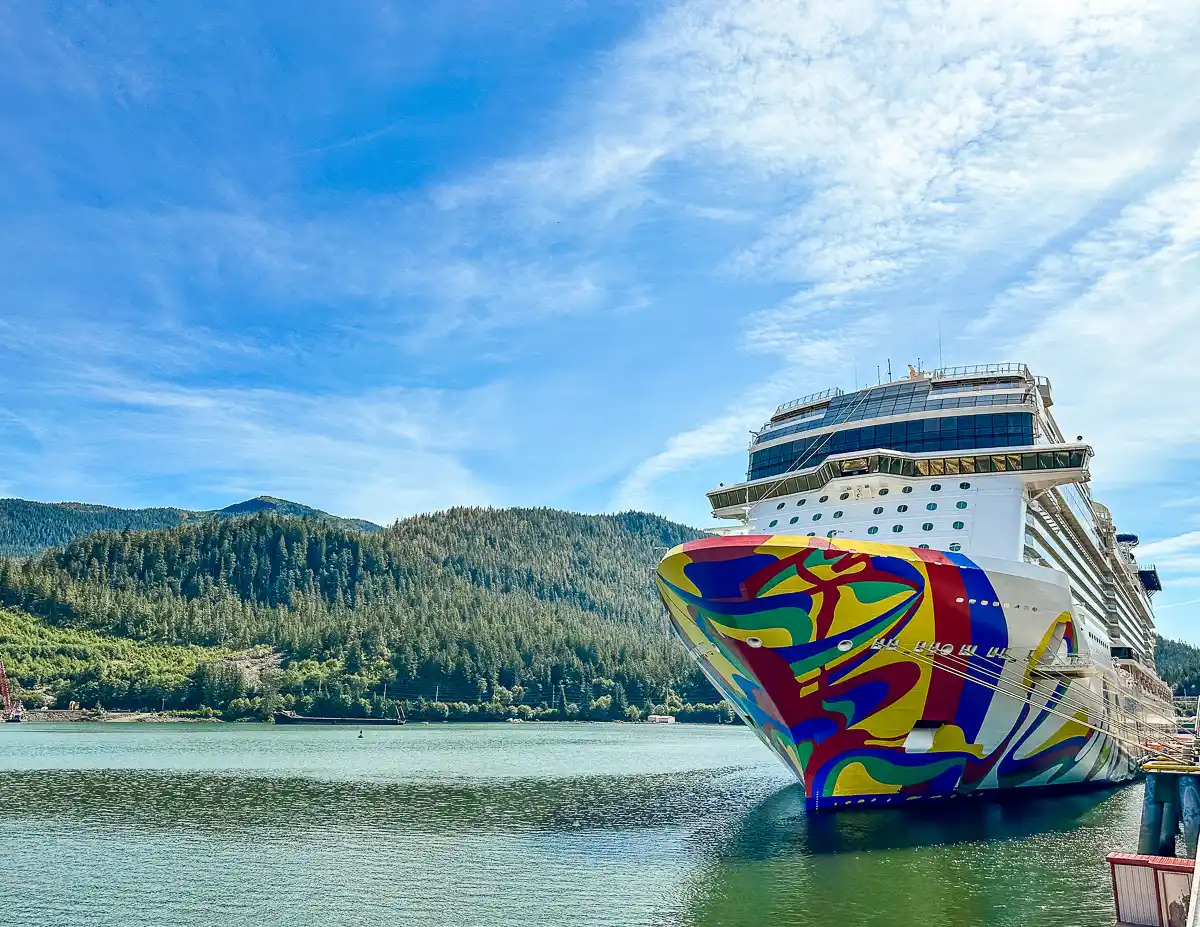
469, 613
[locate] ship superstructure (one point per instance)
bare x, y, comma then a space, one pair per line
919, 597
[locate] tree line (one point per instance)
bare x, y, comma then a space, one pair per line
470, 612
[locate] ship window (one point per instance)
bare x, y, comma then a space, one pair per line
844, 496
837, 514
878, 510
781, 505
902, 508
795, 518
831, 534
773, 523
931, 506
956, 546
923, 546
907, 489
928, 526
812, 534
958, 526
897, 528
817, 517
823, 499
801, 502
964, 485
874, 529
960, 505
936, 487
883, 492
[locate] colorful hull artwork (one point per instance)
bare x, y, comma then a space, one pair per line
873, 670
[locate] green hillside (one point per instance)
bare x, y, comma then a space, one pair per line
1179, 666
31, 527
493, 607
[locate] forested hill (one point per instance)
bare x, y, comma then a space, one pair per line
30, 527
1179, 666
530, 606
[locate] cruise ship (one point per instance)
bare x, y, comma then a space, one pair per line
918, 598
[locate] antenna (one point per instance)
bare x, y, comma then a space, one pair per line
878, 376
889, 370
856, 376
941, 361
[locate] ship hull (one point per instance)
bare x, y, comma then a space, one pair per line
885, 675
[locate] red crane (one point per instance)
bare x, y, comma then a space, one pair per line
11, 711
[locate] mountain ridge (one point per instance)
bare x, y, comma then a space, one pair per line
28, 527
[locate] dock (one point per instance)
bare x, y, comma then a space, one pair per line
1155, 887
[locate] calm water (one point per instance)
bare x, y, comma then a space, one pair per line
591, 825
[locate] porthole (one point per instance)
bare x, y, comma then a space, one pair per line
812, 534
874, 529
923, 546
801, 502
897, 528
936, 487
817, 517
956, 546
781, 505
932, 506
844, 496
774, 523
964, 485
823, 499
878, 510
831, 534
928, 526
837, 514
883, 492
960, 600
960, 505
794, 519
902, 508
958, 526
907, 489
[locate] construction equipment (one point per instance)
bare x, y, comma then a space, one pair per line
9, 710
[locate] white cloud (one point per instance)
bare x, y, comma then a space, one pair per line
902, 148
376, 455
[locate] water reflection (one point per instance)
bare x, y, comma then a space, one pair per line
1038, 861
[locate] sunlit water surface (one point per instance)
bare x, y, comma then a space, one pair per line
591, 825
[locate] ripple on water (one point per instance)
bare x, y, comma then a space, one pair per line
486, 825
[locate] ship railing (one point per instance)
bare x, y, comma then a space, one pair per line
809, 399
980, 370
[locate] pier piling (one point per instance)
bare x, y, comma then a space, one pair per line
1152, 818
1167, 793
1189, 804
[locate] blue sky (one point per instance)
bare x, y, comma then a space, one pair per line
386, 258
